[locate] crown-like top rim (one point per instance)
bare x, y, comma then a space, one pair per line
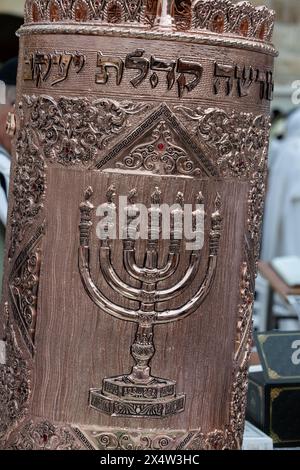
220, 17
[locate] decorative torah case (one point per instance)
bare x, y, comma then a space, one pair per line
125, 109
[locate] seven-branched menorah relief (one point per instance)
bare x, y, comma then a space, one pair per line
139, 393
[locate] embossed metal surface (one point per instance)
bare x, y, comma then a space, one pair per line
158, 100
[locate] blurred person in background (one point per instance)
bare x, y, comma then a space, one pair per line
11, 18
8, 73
5, 151
282, 211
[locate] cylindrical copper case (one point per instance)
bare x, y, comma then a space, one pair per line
125, 343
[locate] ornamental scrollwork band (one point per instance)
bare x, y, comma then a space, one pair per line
118, 439
29, 186
44, 435
15, 375
160, 155
24, 285
256, 200
71, 131
237, 141
217, 16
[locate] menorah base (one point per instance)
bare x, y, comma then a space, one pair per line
121, 397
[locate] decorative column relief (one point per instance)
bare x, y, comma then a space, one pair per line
14, 381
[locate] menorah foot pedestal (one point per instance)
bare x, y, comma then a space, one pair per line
136, 200
121, 397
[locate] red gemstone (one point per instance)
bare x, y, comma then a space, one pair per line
160, 146
45, 438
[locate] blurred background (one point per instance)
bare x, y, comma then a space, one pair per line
287, 40
277, 302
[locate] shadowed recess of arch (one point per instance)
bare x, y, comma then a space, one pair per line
114, 12
183, 14
150, 13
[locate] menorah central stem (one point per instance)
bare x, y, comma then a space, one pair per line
142, 351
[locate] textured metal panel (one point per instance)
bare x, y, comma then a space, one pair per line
121, 343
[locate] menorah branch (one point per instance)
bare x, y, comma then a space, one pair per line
146, 295
180, 287
144, 274
113, 279
193, 304
96, 295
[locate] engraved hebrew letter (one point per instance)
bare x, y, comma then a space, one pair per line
105, 62
79, 61
191, 68
269, 86
28, 67
63, 62
226, 72
245, 78
265, 79
135, 61
41, 67
164, 66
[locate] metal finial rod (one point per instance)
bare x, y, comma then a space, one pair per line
177, 218
200, 198
216, 221
154, 219
199, 213
131, 213
111, 193
164, 20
